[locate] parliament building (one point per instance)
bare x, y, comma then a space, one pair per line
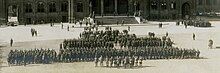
47, 11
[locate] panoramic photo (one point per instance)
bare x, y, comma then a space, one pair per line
109, 36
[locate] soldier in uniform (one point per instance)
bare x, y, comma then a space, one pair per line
194, 36
129, 28
11, 42
210, 44
68, 28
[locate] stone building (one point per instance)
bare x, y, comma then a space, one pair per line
47, 11
208, 5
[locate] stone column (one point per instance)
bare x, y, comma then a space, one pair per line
116, 6
102, 7
69, 11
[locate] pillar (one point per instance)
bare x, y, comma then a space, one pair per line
102, 7
116, 6
71, 11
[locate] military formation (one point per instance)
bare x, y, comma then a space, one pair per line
109, 48
36, 56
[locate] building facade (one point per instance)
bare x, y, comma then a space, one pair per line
208, 5
47, 11
38, 11
3, 12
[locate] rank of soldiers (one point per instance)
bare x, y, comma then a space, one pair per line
114, 57
116, 49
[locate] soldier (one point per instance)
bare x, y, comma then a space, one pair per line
11, 42
35, 32
68, 28
122, 22
129, 28
185, 25
61, 25
197, 54
101, 61
140, 61
166, 34
96, 61
107, 62
32, 32
210, 44
111, 61
194, 36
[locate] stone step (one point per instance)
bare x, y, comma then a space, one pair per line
114, 20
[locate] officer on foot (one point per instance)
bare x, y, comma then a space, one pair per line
194, 36
11, 42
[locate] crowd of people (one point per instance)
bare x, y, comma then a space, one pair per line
115, 48
114, 57
36, 56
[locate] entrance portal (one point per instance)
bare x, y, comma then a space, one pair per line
13, 13
186, 11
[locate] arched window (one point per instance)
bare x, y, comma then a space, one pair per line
52, 7
64, 7
173, 5
40, 7
164, 5
28, 8
154, 5
80, 7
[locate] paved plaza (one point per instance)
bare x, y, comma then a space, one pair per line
51, 37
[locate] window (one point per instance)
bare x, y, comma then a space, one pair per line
64, 7
164, 5
52, 7
79, 7
200, 2
40, 7
173, 5
154, 5
28, 8
208, 2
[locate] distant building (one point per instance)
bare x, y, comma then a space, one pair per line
208, 5
47, 11
3, 12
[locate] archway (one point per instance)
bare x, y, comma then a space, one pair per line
186, 11
13, 13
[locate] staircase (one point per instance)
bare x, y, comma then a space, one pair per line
113, 20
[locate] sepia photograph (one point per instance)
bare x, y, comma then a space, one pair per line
109, 36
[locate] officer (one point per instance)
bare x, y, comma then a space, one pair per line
11, 42
194, 36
